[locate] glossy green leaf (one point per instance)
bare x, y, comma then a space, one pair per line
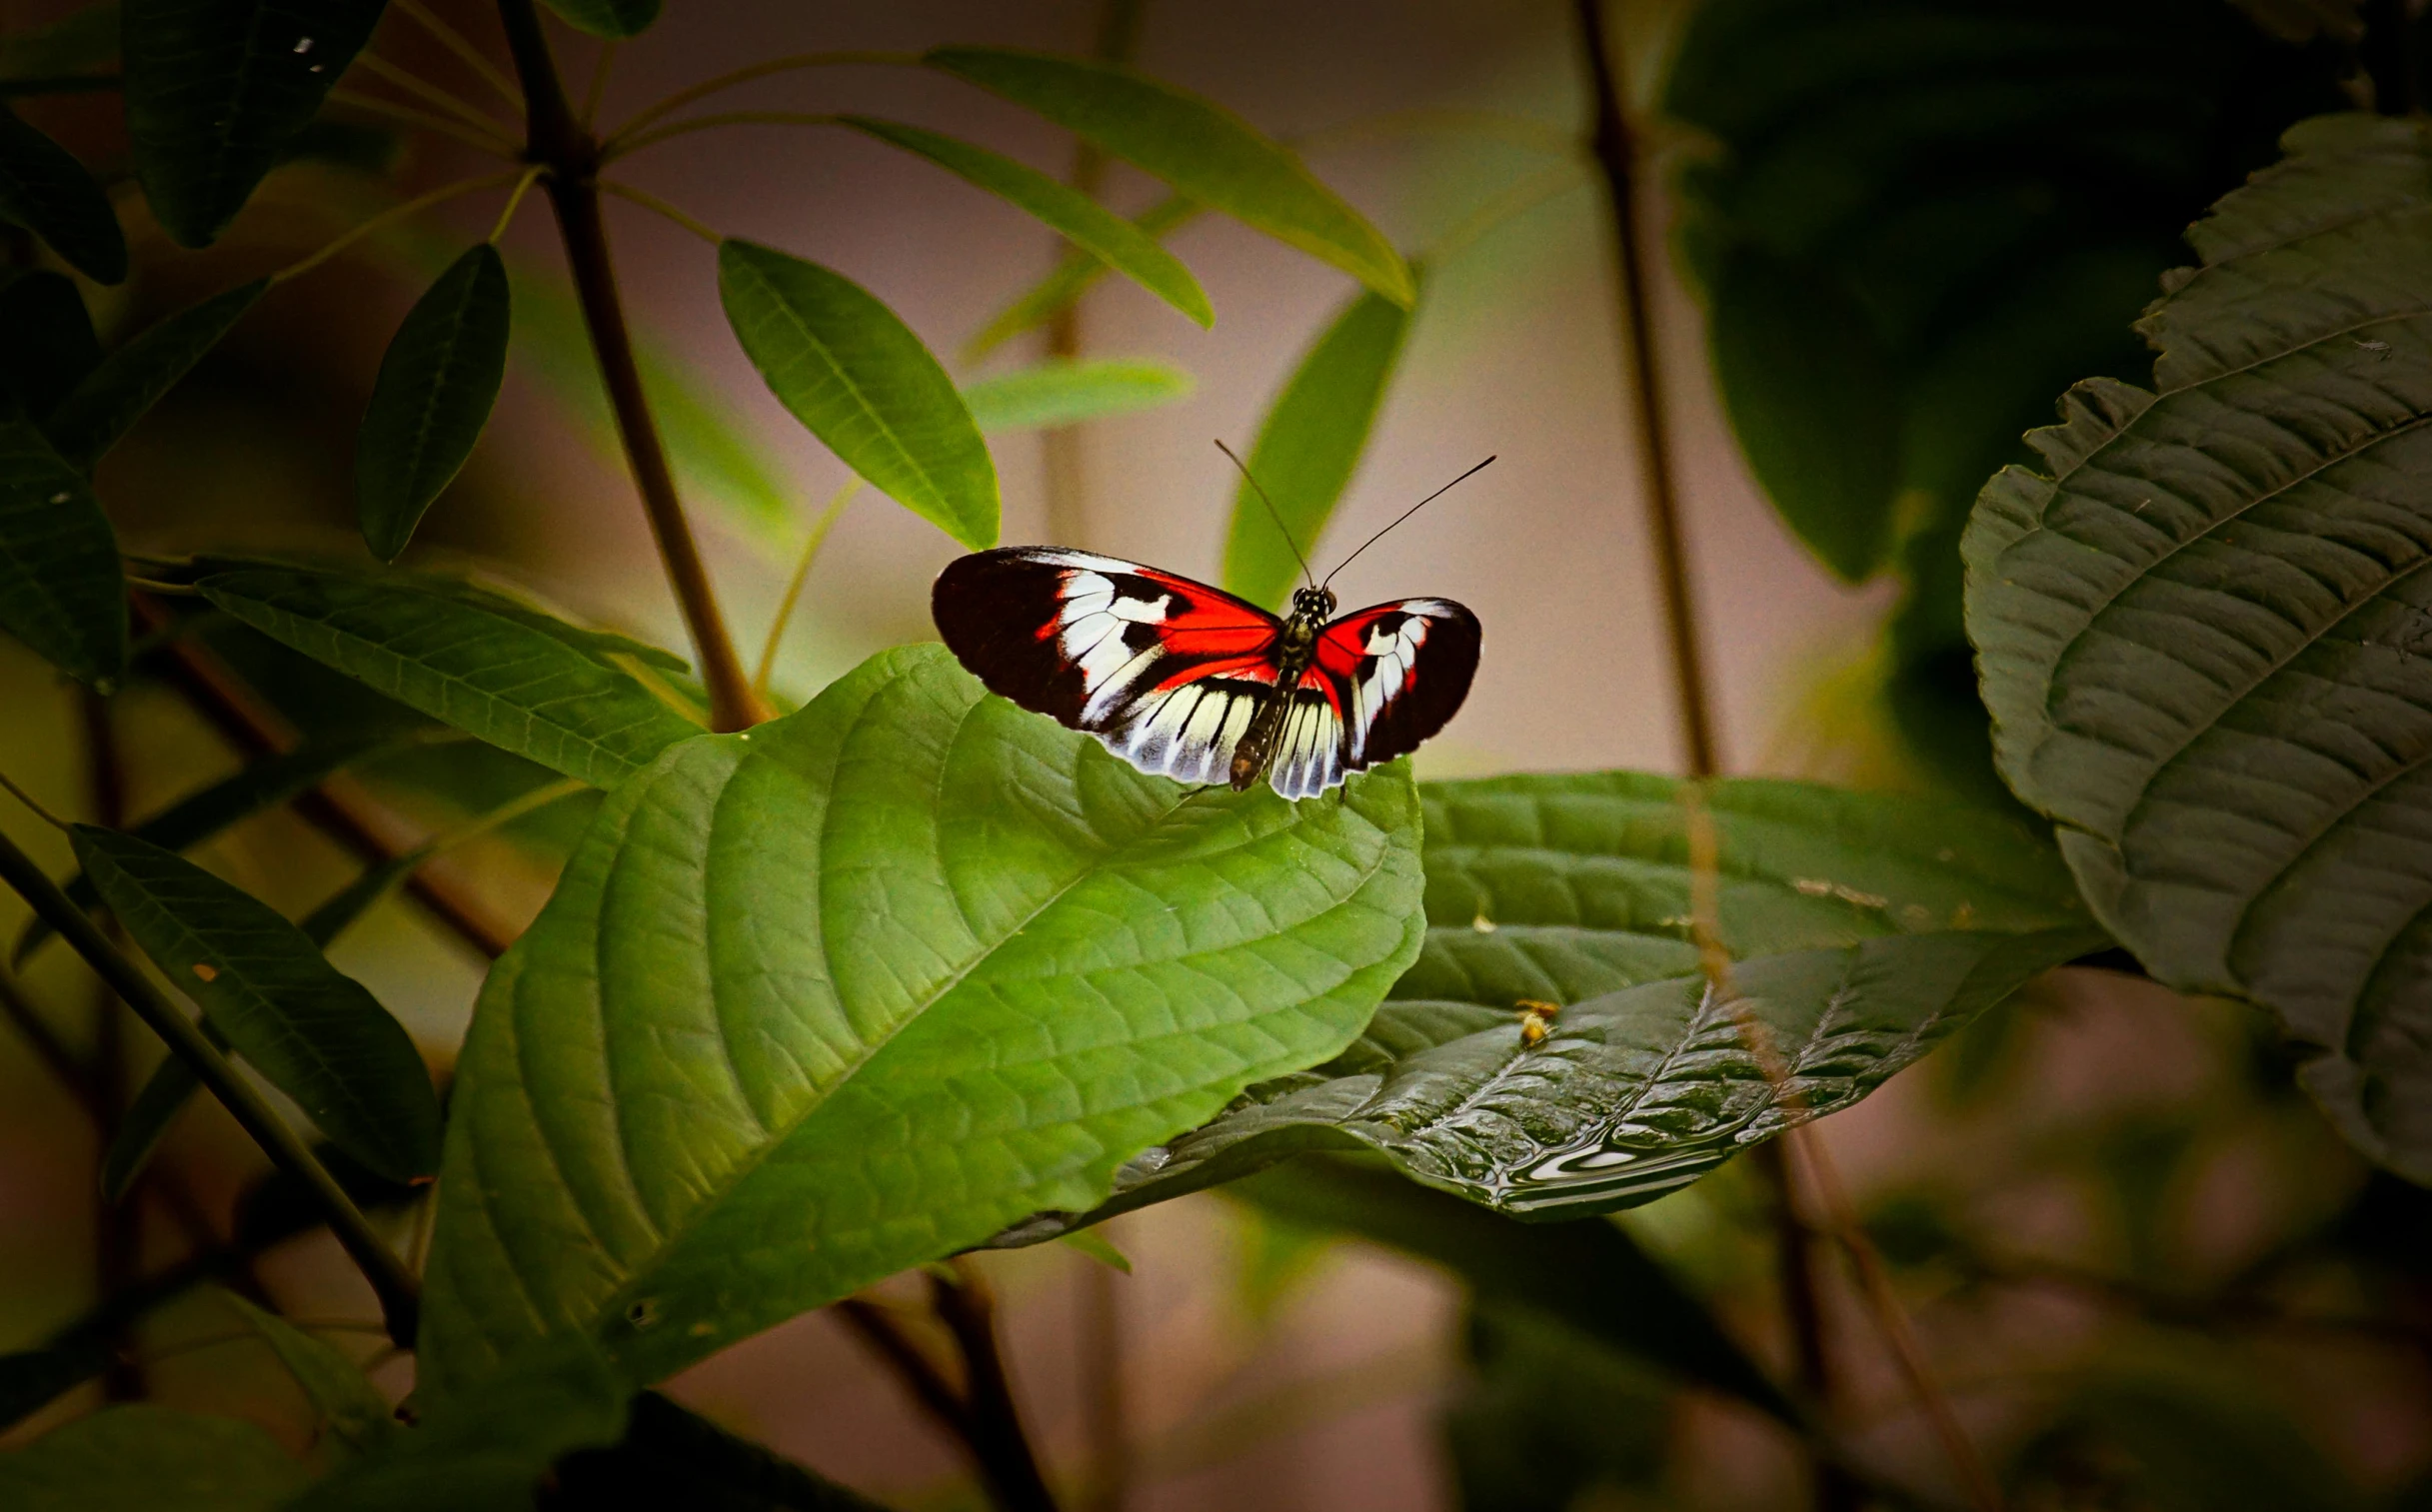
609, 19
433, 397
78, 40
32, 1379
2203, 635
853, 373
853, 990
1866, 928
350, 1410
1589, 1277
148, 1459
1066, 392
670, 1457
485, 1449
51, 347
1200, 148
44, 188
157, 1104
217, 88
312, 1032
1078, 218
1069, 280
60, 592
1310, 446
480, 666
132, 379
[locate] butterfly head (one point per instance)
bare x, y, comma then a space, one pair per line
1312, 603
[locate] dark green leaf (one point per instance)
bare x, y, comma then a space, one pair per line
149, 1459
1311, 444
670, 1457
1546, 1414
815, 965
32, 1379
44, 188
354, 144
2203, 637
1066, 392
60, 588
485, 1449
278, 1206
1586, 1276
1081, 219
157, 1104
1202, 149
130, 380
215, 89
475, 665
1866, 926
1067, 282
78, 40
608, 18
436, 388
312, 1032
861, 382
50, 347
350, 1407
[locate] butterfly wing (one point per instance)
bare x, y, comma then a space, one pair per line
1167, 672
1386, 678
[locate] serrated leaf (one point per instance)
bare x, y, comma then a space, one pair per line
76, 40
44, 188
1200, 148
51, 345
99, 411
493, 674
312, 1032
350, 1407
32, 1379
670, 1457
609, 19
141, 1458
845, 366
1309, 445
60, 592
433, 397
1079, 219
2202, 636
1063, 391
1866, 926
217, 88
850, 991
1069, 280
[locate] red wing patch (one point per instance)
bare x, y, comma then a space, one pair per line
1395, 674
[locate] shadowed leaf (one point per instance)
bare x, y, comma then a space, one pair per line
44, 188
110, 398
1070, 278
149, 1459
51, 345
60, 592
436, 388
350, 1407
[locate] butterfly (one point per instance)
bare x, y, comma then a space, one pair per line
1186, 681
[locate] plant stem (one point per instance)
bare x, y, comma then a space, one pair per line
554, 138
114, 1232
1616, 149
2387, 55
968, 1310
400, 1295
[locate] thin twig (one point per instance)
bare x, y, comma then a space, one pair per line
743, 75
515, 202
430, 94
9, 785
968, 1310
461, 45
658, 207
116, 1235
919, 1373
626, 146
394, 213
354, 99
598, 87
794, 586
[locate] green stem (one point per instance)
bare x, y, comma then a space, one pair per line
399, 1293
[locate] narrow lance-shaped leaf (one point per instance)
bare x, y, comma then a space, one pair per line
164, 1096
434, 394
861, 382
1066, 392
99, 411
51, 345
1310, 445
1079, 219
609, 20
1068, 281
312, 1032
138, 1456
215, 90
1202, 149
493, 673
855, 988
44, 188
2204, 635
60, 592
1866, 928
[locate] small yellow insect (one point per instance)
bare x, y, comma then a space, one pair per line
1536, 1020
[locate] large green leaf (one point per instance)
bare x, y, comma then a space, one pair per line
99, 410
312, 1032
671, 1457
861, 382
51, 345
217, 88
44, 188
1866, 926
1068, 281
1202, 149
475, 661
60, 592
1083, 222
149, 1459
434, 394
611, 19
856, 988
1310, 445
1066, 392
2203, 635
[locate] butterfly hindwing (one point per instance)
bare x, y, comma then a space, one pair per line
1397, 673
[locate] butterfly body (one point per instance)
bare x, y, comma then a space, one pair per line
1186, 681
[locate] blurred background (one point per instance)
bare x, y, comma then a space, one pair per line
1881, 239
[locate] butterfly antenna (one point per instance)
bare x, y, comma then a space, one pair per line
1272, 512
1404, 515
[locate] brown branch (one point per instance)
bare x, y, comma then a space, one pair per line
921, 1375
968, 1310
557, 140
115, 1234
